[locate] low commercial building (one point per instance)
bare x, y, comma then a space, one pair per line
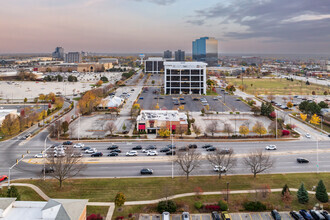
110, 103
185, 78
154, 65
5, 112
54, 209
151, 121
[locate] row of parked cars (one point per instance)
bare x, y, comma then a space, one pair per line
304, 215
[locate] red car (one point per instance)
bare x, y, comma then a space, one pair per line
3, 178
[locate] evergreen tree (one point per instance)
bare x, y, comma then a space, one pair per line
13, 192
302, 194
321, 192
285, 188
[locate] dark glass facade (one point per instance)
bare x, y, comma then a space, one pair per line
205, 49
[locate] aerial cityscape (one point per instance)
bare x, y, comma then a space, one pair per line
165, 110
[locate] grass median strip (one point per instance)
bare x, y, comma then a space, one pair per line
137, 189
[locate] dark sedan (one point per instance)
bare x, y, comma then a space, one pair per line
146, 171
210, 149
116, 151
97, 154
302, 160
139, 147
165, 149
305, 214
151, 147
192, 146
296, 215
67, 143
207, 146
112, 147
113, 154
170, 153
276, 215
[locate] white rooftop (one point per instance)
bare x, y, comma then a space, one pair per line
162, 115
4, 112
155, 59
183, 65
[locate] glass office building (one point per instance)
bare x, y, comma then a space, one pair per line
205, 49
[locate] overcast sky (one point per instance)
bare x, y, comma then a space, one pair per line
241, 26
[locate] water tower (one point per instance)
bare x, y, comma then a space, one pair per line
141, 57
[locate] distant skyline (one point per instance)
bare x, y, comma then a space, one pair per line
152, 26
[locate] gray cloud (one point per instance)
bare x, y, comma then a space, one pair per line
269, 19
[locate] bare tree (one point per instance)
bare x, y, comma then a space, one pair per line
227, 128
222, 159
271, 98
111, 127
258, 162
65, 166
212, 127
55, 129
197, 130
180, 131
188, 161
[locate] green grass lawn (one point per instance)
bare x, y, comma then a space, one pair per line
102, 210
278, 86
104, 190
27, 194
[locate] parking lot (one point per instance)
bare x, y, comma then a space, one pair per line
218, 103
234, 216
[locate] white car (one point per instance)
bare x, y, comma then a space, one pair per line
79, 145
91, 151
132, 153
308, 135
221, 169
39, 155
152, 153
271, 147
144, 151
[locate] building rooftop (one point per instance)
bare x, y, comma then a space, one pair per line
181, 65
163, 115
155, 59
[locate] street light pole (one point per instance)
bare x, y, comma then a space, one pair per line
17, 161
317, 155
43, 156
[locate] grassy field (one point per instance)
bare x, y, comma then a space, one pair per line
102, 210
27, 194
104, 190
278, 87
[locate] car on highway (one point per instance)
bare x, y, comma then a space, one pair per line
183, 149
151, 147
170, 152
79, 145
3, 178
40, 155
325, 214
132, 153
171, 146
116, 150
91, 151
185, 216
215, 216
146, 171
192, 146
308, 135
305, 214
152, 153
47, 169
97, 154
211, 149
226, 151
138, 147
67, 143
207, 145
296, 215
316, 215
165, 149
76, 154
85, 148
215, 98
276, 215
302, 160
113, 154
271, 147
217, 168
112, 147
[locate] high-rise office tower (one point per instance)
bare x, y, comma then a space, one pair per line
167, 54
73, 57
206, 49
58, 53
179, 55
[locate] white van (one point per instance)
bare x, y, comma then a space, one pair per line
166, 216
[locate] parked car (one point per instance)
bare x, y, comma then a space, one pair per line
141, 98
308, 135
210, 149
182, 102
151, 147
221, 169
270, 147
305, 214
316, 215
91, 151
40, 155
146, 171
192, 146
170, 152
48, 169
325, 214
225, 216
116, 151
302, 160
67, 143
185, 216
132, 153
113, 154
138, 147
207, 145
215, 216
296, 215
152, 153
97, 154
165, 149
3, 178
276, 215
78, 145
112, 147
165, 216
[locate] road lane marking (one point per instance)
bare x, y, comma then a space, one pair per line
240, 216
260, 216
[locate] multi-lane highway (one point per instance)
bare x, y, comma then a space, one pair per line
285, 158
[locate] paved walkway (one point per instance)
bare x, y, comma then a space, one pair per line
112, 205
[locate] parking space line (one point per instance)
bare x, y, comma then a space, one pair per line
289, 216
250, 216
260, 216
240, 216
150, 217
200, 217
269, 216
